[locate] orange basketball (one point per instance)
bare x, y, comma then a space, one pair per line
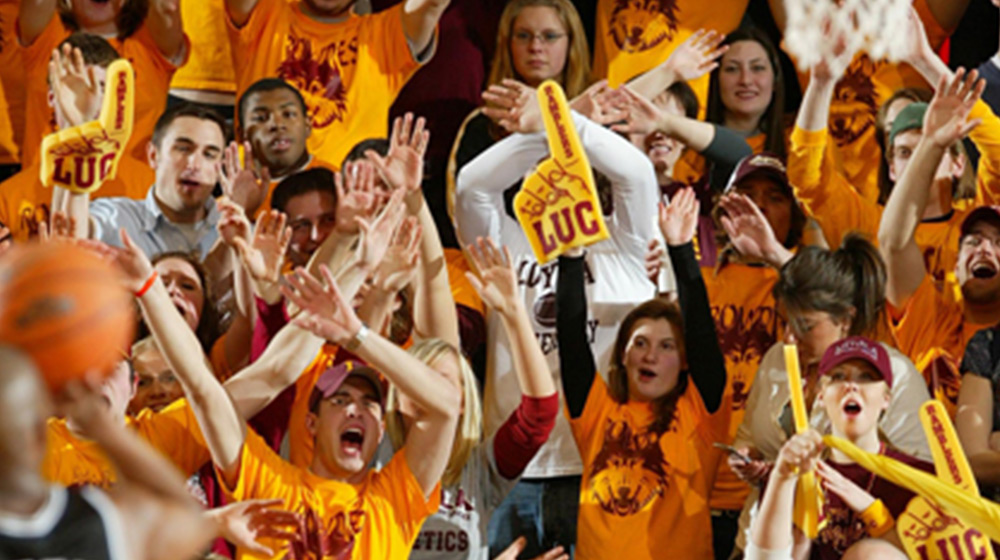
66, 308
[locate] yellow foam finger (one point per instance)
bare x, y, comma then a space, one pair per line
808, 497
83, 157
557, 205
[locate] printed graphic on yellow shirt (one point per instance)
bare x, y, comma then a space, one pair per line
927, 531
640, 25
83, 157
319, 75
557, 205
941, 372
630, 470
855, 102
745, 335
313, 543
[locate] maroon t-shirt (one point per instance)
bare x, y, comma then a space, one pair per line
843, 526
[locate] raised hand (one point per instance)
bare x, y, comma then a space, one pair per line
641, 116
853, 495
357, 197
749, 231
593, 103
264, 256
239, 182
752, 472
917, 45
515, 548
326, 313
679, 218
496, 282
798, 455
244, 522
945, 121
81, 402
696, 56
399, 266
403, 166
130, 260
516, 107
233, 222
377, 234
654, 260
75, 88
831, 67
61, 229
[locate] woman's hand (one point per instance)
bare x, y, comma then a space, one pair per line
62, 228
654, 261
696, 56
496, 282
233, 222
750, 232
399, 266
244, 522
240, 183
641, 116
403, 166
752, 472
264, 256
130, 260
357, 197
798, 455
679, 218
516, 107
853, 495
944, 122
75, 87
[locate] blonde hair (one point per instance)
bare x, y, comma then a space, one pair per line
577, 69
468, 432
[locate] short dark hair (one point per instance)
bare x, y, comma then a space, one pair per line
94, 48
317, 179
188, 110
687, 98
380, 145
267, 84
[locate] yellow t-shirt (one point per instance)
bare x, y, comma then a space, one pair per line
632, 37
173, 431
748, 324
378, 518
152, 73
25, 203
210, 64
865, 86
931, 330
461, 289
644, 494
12, 94
349, 73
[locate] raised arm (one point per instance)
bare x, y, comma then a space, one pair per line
32, 17
420, 19
974, 419
678, 223
164, 521
696, 56
429, 441
944, 124
164, 22
577, 367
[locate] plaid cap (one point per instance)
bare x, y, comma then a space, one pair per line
764, 163
911, 117
331, 380
857, 347
981, 213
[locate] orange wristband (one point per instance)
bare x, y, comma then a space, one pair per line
149, 284
877, 519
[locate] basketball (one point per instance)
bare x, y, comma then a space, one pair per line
66, 308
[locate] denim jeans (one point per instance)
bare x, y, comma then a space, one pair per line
543, 510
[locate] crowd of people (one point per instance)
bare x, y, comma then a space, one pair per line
346, 344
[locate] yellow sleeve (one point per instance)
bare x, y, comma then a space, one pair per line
390, 48
399, 501
824, 191
986, 137
175, 433
263, 474
926, 321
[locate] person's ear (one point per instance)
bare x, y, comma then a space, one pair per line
152, 155
957, 166
312, 423
892, 168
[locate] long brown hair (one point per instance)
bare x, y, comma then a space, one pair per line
848, 284
577, 69
665, 406
209, 329
772, 121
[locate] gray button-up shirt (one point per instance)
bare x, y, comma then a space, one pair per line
148, 227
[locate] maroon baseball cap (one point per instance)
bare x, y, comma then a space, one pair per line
857, 347
768, 164
331, 380
981, 213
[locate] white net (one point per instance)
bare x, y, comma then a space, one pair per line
874, 26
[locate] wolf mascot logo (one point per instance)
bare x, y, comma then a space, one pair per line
640, 25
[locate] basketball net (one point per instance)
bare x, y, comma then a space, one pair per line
872, 26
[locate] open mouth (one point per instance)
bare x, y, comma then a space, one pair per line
746, 94
281, 144
351, 440
189, 184
983, 270
852, 408
646, 375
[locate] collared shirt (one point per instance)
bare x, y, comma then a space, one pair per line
149, 228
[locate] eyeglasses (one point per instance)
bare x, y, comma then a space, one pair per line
546, 37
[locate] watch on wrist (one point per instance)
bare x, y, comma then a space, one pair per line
355, 342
